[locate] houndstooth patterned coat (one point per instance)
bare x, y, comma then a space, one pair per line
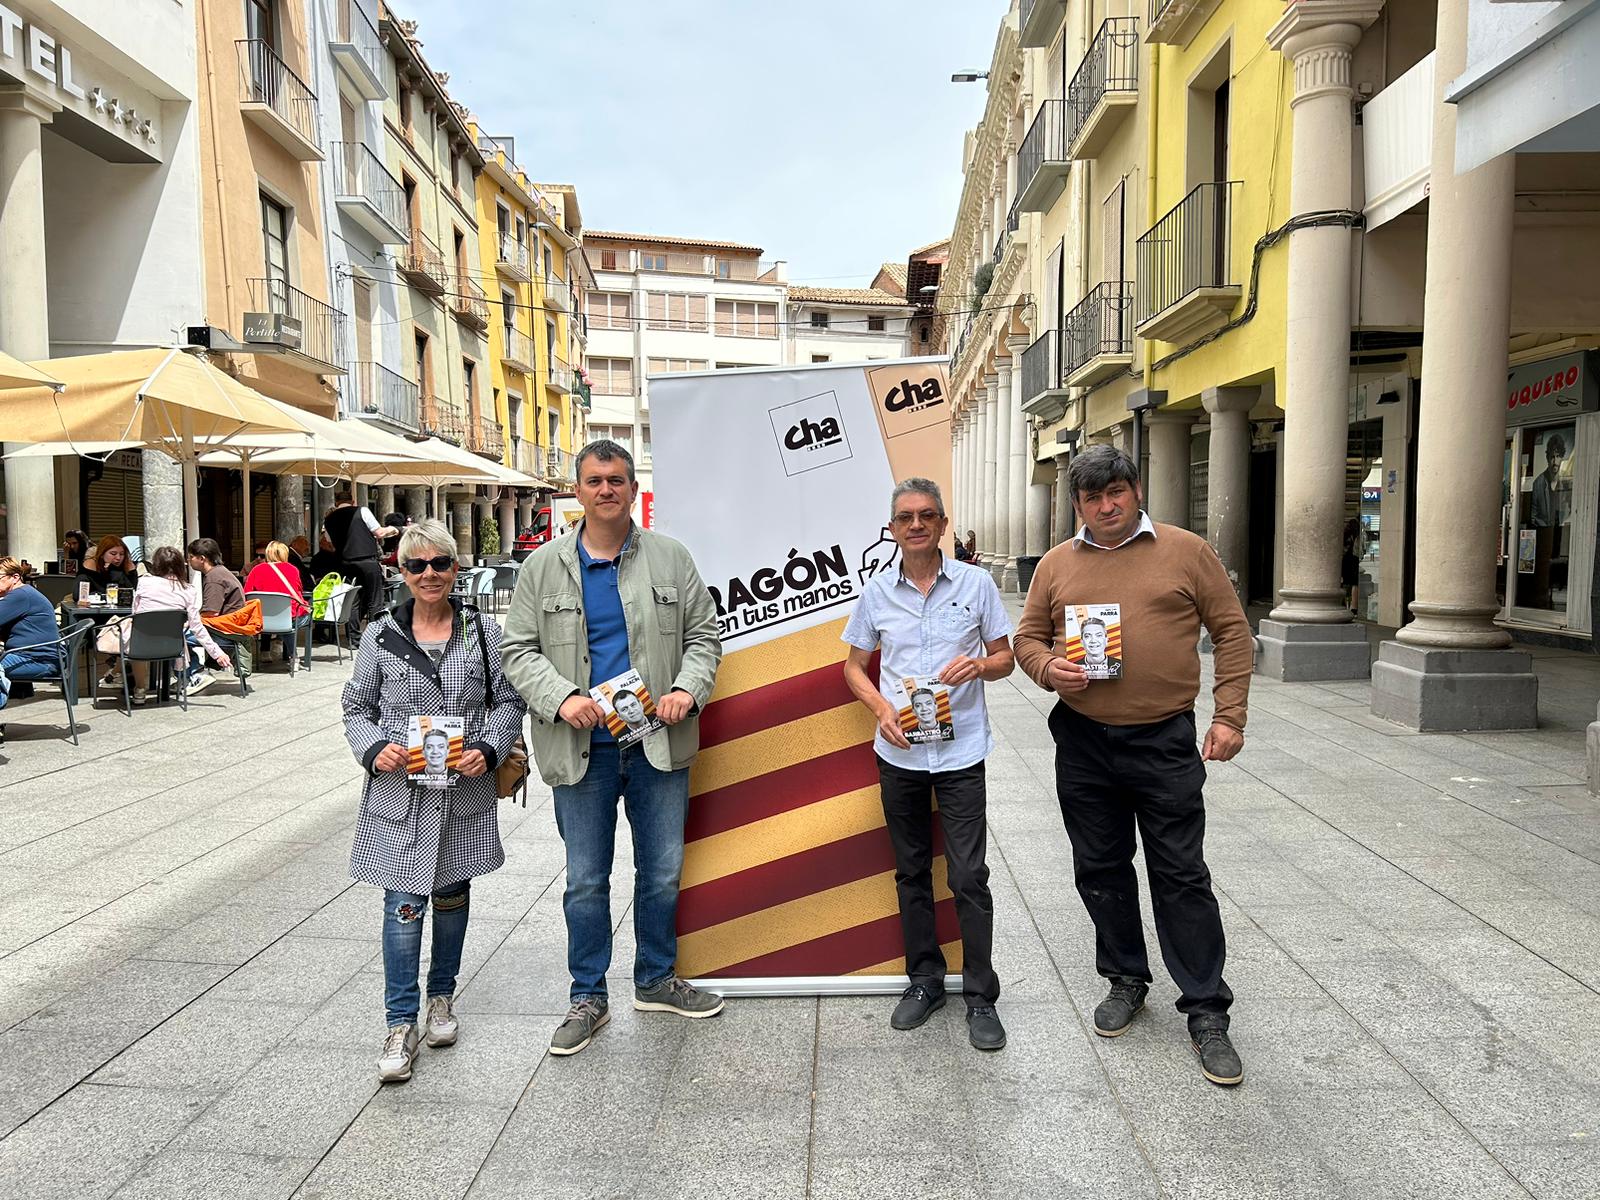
415, 839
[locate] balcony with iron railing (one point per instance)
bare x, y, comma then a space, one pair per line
1042, 160
276, 100
469, 303
559, 378
961, 342
423, 264
528, 458
516, 350
1099, 335
558, 464
1039, 21
368, 194
1187, 286
740, 270
511, 258
1009, 233
1044, 384
320, 341
1105, 89
487, 438
379, 392
357, 49
444, 418
1175, 22
557, 294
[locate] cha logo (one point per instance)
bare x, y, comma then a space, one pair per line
810, 433
914, 396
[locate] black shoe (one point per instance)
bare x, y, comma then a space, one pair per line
984, 1030
916, 1005
1219, 1061
1115, 1013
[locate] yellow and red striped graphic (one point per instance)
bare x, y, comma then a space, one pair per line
788, 870
1072, 648
617, 725
908, 715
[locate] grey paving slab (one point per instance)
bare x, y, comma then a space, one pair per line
210, 1174
294, 1102
204, 1049
404, 1147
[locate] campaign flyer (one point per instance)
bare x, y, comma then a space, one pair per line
630, 709
433, 749
924, 706
1092, 634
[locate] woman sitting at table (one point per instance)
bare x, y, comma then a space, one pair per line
74, 549
167, 587
277, 574
428, 659
28, 630
110, 566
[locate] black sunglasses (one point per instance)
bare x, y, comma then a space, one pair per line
416, 566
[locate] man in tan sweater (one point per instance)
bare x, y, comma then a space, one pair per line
1140, 592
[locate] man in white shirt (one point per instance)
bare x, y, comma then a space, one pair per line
935, 619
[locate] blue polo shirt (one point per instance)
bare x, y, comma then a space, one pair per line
602, 610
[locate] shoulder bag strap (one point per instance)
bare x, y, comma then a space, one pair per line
483, 649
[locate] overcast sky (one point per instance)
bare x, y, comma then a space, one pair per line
827, 132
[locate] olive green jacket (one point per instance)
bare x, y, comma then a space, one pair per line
672, 643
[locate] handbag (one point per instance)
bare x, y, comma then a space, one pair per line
511, 772
110, 639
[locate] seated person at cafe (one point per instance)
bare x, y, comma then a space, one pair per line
167, 587
220, 591
74, 549
111, 565
28, 632
277, 574
300, 560
326, 560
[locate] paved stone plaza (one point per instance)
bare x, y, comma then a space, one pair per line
190, 988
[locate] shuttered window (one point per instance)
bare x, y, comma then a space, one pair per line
668, 366
114, 503
674, 310
610, 310
611, 376
746, 318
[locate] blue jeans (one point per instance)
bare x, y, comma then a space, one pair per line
21, 667
402, 947
586, 814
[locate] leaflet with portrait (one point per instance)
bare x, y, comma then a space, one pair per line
433, 750
924, 706
1092, 635
630, 710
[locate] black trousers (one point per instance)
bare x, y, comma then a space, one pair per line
1110, 779
908, 811
368, 575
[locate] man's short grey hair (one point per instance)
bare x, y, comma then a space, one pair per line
426, 534
604, 450
1098, 467
916, 485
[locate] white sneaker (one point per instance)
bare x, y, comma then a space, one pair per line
201, 682
399, 1052
441, 1021
139, 695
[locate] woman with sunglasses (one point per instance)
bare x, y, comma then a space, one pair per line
432, 656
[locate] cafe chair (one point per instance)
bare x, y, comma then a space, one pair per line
69, 649
56, 588
339, 611
505, 582
156, 637
483, 586
277, 620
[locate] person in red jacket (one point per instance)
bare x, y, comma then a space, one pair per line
278, 574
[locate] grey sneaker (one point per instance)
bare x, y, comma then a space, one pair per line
578, 1030
1115, 1013
440, 1021
1219, 1061
679, 996
399, 1052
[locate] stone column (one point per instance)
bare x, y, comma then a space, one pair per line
971, 503
1451, 667
1066, 522
986, 506
416, 502
1004, 567
1309, 634
461, 512
24, 312
163, 501
383, 500
1036, 532
524, 513
507, 519
1017, 474
289, 516
1228, 493
1166, 489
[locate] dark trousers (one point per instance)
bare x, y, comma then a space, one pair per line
368, 575
908, 811
1109, 779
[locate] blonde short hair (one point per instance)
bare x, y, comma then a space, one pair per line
427, 534
277, 552
10, 566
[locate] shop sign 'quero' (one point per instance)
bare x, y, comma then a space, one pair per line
1555, 387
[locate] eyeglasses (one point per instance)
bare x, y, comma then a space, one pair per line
927, 516
416, 566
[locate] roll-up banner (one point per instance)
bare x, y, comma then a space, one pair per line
778, 481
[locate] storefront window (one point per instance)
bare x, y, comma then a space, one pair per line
1543, 518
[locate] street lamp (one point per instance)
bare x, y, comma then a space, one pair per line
968, 76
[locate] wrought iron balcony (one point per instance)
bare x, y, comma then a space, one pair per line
1184, 266
1044, 385
1175, 22
1008, 235
444, 418
276, 100
558, 464
423, 265
1040, 20
517, 350
320, 344
366, 192
357, 48
488, 439
469, 303
557, 294
1105, 88
1042, 160
560, 377
511, 258
528, 459
1099, 335
379, 392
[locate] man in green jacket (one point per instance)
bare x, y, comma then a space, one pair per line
589, 608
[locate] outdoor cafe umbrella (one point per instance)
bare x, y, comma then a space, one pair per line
456, 465
14, 373
161, 399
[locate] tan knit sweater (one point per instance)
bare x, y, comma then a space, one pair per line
1168, 587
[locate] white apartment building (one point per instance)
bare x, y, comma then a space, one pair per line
98, 149
667, 304
850, 324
